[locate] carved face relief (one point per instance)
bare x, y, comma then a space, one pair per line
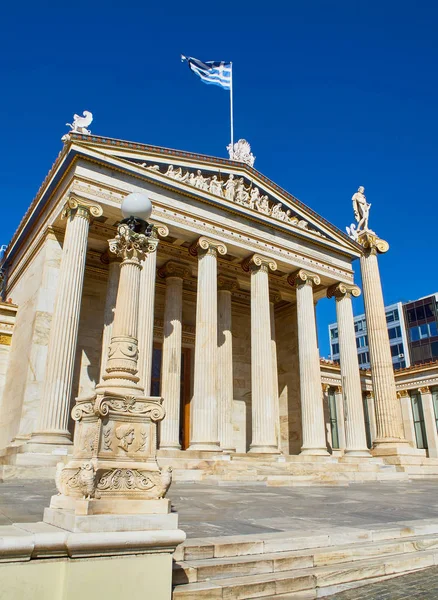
125, 434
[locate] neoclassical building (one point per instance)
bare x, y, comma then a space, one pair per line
226, 324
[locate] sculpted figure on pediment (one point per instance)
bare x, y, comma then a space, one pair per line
170, 171
151, 167
230, 188
242, 195
255, 195
178, 174
262, 205
200, 181
277, 212
215, 186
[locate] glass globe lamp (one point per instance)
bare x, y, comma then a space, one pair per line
136, 209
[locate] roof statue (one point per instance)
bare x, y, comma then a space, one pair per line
80, 124
361, 210
241, 151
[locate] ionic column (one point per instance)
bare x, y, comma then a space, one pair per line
264, 414
408, 420
225, 394
204, 414
174, 273
388, 414
312, 410
355, 434
52, 426
429, 422
273, 298
146, 312
339, 401
113, 263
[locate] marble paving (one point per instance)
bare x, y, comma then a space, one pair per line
207, 510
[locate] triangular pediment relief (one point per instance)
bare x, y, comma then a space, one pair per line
232, 183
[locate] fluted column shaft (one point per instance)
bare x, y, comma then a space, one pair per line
146, 313
110, 307
171, 357
340, 417
312, 410
53, 417
204, 411
355, 434
387, 408
275, 372
225, 364
264, 414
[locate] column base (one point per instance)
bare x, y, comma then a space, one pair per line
392, 447
169, 446
57, 437
227, 449
264, 449
205, 446
314, 452
365, 453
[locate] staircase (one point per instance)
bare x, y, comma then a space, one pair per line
282, 565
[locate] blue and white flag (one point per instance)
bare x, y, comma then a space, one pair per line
211, 72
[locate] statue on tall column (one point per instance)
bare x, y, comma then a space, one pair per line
361, 210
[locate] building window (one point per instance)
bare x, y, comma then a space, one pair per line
334, 333
418, 417
392, 316
359, 326
364, 358
422, 332
335, 349
394, 332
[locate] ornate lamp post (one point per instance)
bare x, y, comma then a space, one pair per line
114, 467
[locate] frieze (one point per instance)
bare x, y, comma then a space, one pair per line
235, 191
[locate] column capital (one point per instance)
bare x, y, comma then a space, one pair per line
227, 284
258, 262
325, 388
343, 290
369, 395
403, 394
206, 245
372, 243
424, 390
174, 269
302, 277
159, 231
338, 389
130, 245
81, 207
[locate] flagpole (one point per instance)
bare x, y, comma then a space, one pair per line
231, 109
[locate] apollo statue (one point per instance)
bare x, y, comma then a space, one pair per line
361, 210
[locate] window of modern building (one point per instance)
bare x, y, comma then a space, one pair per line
422, 332
334, 333
362, 341
399, 364
335, 348
392, 316
359, 326
397, 350
434, 349
364, 358
394, 332
418, 417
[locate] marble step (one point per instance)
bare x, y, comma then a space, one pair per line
193, 571
298, 580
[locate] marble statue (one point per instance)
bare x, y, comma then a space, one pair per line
80, 124
242, 195
254, 197
215, 186
262, 205
200, 181
241, 151
230, 188
352, 232
361, 210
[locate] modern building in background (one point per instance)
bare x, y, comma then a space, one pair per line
412, 330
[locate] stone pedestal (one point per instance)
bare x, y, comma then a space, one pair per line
174, 273
429, 422
390, 439
355, 434
225, 364
146, 312
204, 411
264, 412
314, 441
52, 426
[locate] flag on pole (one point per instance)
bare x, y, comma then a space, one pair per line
211, 72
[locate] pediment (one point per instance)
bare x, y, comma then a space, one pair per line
235, 185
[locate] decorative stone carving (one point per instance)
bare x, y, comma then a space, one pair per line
174, 269
79, 483
241, 151
207, 245
81, 207
340, 290
303, 277
235, 190
80, 124
256, 261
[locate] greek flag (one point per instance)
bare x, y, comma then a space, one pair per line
211, 72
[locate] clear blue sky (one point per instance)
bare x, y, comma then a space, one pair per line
331, 95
